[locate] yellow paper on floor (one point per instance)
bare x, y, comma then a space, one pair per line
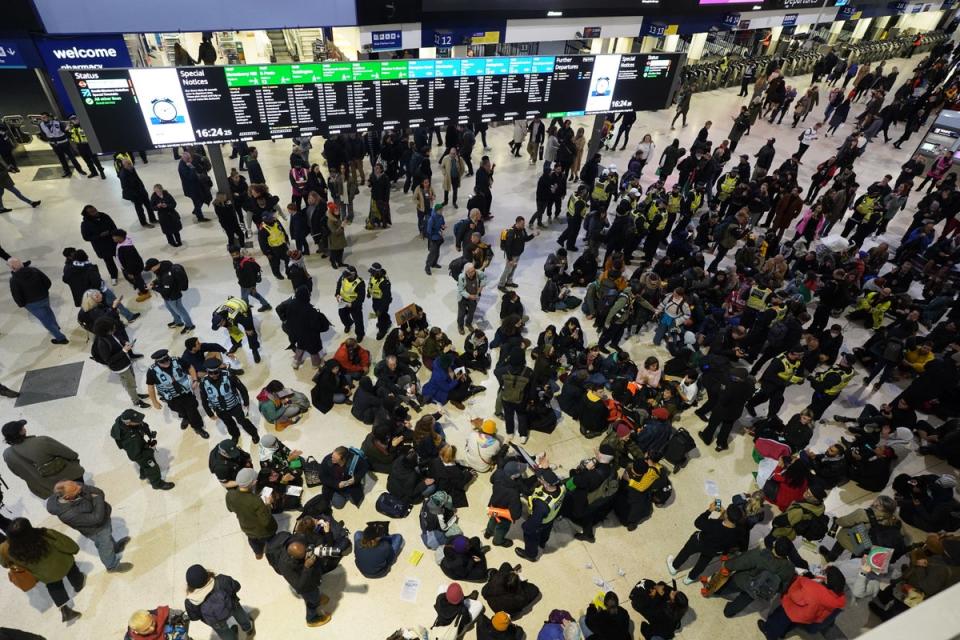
415, 557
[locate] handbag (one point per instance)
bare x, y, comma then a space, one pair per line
311, 472
23, 579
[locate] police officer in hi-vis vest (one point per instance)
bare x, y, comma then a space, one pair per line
236, 316
223, 395
381, 297
169, 379
828, 385
780, 374
544, 507
350, 296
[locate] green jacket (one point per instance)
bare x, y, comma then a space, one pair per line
133, 440
255, 518
749, 565
626, 451
795, 513
56, 563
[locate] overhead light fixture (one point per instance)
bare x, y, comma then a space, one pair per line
554, 14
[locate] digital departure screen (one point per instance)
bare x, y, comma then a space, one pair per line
127, 109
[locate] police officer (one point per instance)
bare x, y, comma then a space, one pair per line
350, 296
225, 462
576, 210
223, 394
133, 435
781, 373
170, 378
55, 133
237, 317
656, 222
544, 507
381, 297
79, 138
757, 302
603, 191
828, 385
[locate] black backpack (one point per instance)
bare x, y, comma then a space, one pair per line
884, 535
661, 489
814, 528
680, 444
765, 586
179, 275
392, 506
95, 353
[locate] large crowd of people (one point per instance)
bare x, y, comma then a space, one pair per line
745, 282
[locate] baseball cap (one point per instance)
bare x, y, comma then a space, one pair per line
228, 448
131, 415
549, 477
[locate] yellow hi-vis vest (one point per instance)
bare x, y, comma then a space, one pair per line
572, 204
789, 373
275, 235
375, 291
235, 307
77, 135
673, 203
697, 202
877, 307
757, 299
867, 207
845, 378
652, 213
348, 290
726, 187
600, 193
553, 502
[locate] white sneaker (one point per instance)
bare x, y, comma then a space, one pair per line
113, 282
670, 568
689, 580
296, 365
523, 439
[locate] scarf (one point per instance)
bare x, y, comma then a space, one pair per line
197, 596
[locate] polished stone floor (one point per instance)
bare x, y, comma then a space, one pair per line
172, 530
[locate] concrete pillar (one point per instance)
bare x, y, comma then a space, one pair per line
670, 43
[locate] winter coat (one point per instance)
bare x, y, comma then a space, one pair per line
500, 598
304, 325
216, 604
54, 565
439, 385
81, 277
92, 230
29, 284
446, 169
405, 482
87, 513
452, 479
337, 239
35, 461
168, 217
808, 601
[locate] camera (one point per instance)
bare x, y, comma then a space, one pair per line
324, 551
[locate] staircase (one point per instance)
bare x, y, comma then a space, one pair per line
307, 39
279, 45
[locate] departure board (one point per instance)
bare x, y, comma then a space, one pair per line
159, 107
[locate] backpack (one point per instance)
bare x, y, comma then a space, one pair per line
814, 528
504, 239
764, 586
218, 606
180, 277
661, 489
248, 260
892, 349
392, 506
514, 386
456, 267
459, 229
607, 489
680, 444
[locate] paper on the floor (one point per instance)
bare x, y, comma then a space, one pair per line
409, 590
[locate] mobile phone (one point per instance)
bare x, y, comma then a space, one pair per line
718, 503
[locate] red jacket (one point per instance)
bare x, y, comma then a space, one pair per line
786, 494
349, 366
808, 601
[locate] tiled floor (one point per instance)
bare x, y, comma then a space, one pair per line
173, 530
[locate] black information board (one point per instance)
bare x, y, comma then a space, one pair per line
161, 107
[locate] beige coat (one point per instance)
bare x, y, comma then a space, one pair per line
445, 165
419, 200
338, 237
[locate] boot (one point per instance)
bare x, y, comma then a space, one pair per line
68, 615
8, 392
